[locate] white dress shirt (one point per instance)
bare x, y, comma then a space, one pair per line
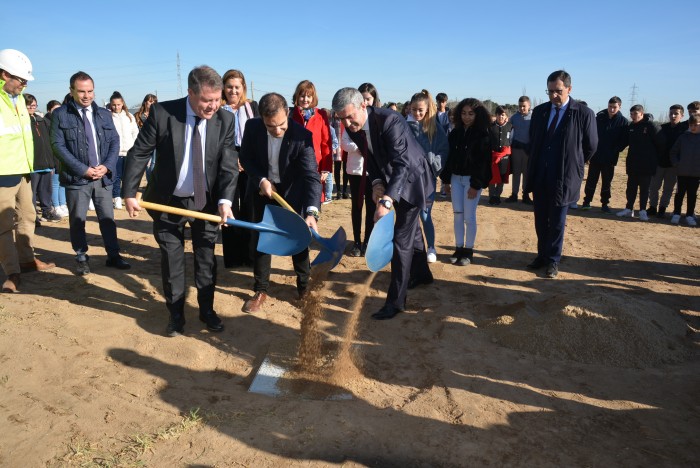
185, 182
91, 119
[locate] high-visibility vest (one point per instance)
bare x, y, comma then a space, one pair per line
16, 140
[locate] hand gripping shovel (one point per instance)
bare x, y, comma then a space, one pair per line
380, 247
331, 249
281, 233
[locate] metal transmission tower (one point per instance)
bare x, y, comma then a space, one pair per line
633, 94
179, 76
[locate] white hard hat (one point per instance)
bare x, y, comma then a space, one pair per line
16, 63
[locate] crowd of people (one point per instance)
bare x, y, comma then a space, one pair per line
219, 152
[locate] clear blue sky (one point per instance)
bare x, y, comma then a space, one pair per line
489, 50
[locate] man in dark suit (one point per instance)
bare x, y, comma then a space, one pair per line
278, 155
400, 179
564, 136
196, 169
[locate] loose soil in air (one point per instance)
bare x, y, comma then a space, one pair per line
491, 365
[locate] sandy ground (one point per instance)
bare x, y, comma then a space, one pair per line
492, 365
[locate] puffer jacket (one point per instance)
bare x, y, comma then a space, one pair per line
43, 156
127, 130
435, 151
70, 146
469, 155
685, 154
611, 138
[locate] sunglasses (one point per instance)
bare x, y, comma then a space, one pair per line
22, 81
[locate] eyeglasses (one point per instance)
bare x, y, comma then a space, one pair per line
552, 92
31, 106
22, 81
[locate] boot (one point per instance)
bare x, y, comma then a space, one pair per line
466, 258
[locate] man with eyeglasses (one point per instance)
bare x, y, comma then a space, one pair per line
564, 136
16, 161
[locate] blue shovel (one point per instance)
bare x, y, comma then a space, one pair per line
331, 249
380, 247
281, 233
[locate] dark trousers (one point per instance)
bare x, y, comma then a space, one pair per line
595, 171
638, 182
262, 262
550, 223
686, 186
357, 205
409, 259
78, 199
236, 241
41, 190
169, 232
339, 170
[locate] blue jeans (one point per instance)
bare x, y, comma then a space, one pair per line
58, 193
427, 219
119, 172
329, 187
464, 211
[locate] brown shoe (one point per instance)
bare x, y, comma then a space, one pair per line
254, 303
11, 284
35, 265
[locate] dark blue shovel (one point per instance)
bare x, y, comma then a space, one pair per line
331, 249
281, 233
380, 247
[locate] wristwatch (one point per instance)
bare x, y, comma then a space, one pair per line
388, 204
313, 213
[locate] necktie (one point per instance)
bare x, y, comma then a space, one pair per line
92, 149
553, 125
363, 180
200, 192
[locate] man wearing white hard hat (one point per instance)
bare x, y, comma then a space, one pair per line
16, 161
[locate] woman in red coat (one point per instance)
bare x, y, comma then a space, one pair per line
316, 121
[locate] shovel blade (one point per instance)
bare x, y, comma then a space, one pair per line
380, 247
331, 249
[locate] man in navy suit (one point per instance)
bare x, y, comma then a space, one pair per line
400, 179
564, 136
196, 169
278, 155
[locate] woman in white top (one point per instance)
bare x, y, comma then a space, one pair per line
125, 123
354, 165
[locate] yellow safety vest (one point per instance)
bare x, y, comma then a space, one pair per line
16, 140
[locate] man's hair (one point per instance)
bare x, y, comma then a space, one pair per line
500, 110
523, 99
28, 98
52, 103
673, 107
441, 97
637, 108
694, 106
346, 96
203, 76
560, 75
615, 100
305, 88
80, 76
694, 119
271, 103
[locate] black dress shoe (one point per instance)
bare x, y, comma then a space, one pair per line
552, 270
212, 320
415, 282
117, 262
176, 326
537, 263
356, 250
385, 313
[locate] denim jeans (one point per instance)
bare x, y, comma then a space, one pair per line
464, 211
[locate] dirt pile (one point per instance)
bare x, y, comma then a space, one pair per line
608, 330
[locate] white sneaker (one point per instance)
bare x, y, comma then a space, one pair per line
91, 206
432, 255
63, 210
118, 203
675, 219
691, 221
643, 215
626, 212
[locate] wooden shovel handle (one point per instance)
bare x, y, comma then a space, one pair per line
177, 211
